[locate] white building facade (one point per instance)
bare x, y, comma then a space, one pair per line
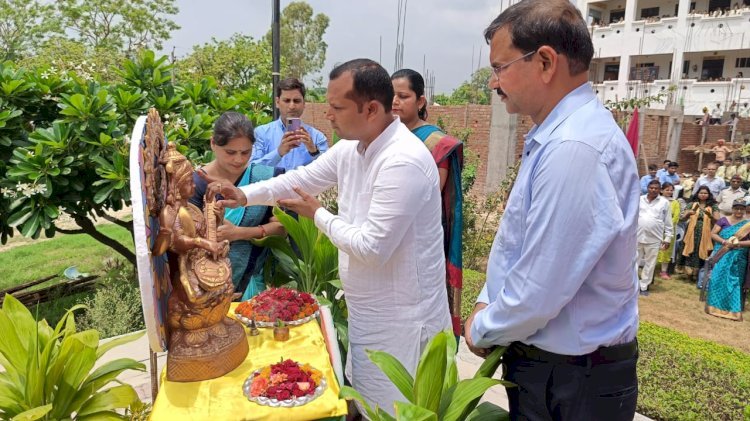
696, 52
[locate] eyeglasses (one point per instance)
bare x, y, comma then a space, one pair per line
498, 69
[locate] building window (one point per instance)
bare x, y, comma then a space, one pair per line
742, 62
649, 12
616, 16
611, 71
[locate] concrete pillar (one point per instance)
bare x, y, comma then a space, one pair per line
502, 145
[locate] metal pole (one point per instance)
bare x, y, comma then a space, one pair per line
276, 53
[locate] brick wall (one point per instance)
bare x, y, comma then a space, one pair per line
457, 119
475, 119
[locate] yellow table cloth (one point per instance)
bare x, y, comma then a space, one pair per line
223, 399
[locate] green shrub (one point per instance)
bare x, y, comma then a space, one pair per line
683, 378
115, 307
680, 378
473, 283
49, 373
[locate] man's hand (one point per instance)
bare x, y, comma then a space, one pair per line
306, 140
480, 352
288, 141
305, 206
664, 245
233, 196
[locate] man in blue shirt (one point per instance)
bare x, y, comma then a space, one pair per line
276, 145
671, 175
652, 175
663, 169
562, 290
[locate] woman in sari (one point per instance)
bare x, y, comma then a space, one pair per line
724, 296
665, 256
232, 145
700, 215
410, 105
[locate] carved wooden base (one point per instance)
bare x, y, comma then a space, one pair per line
217, 357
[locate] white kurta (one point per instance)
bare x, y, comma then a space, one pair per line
390, 240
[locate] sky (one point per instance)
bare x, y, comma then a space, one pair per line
445, 36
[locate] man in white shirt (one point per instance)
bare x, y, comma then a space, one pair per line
727, 196
388, 228
716, 114
654, 231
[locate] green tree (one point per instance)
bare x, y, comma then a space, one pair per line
24, 24
238, 63
62, 54
124, 26
302, 44
474, 91
64, 139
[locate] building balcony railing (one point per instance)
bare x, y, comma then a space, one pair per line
691, 94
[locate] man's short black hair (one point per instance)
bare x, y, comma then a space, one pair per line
371, 82
555, 23
652, 182
290, 84
652, 167
666, 161
673, 164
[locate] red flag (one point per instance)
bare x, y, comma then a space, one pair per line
632, 133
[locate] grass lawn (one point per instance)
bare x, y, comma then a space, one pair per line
43, 258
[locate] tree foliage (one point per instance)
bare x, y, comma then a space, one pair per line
237, 63
64, 139
474, 91
24, 24
302, 45
123, 26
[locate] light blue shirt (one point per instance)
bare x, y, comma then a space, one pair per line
267, 141
665, 177
561, 272
644, 182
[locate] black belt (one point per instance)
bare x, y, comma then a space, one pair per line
602, 355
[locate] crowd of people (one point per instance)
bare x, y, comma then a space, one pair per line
694, 226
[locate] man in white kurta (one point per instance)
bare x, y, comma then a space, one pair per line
388, 232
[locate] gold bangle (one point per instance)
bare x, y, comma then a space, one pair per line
197, 241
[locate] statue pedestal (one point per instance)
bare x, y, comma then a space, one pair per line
189, 364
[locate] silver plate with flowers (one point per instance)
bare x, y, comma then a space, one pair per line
286, 403
297, 322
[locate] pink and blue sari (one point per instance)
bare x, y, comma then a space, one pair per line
448, 150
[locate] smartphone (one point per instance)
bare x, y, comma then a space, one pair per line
293, 124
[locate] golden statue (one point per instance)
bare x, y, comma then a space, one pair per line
203, 342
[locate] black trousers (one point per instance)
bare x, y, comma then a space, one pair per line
586, 388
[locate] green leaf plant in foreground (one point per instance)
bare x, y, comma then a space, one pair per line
49, 373
436, 393
311, 266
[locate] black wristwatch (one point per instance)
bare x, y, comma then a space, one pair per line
316, 153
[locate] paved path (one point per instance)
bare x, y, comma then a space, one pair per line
467, 364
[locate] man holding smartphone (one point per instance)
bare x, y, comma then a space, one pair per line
287, 142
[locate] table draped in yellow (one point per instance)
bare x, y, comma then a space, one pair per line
223, 399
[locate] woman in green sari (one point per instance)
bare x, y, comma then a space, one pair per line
410, 105
232, 145
724, 296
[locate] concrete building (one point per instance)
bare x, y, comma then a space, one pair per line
695, 52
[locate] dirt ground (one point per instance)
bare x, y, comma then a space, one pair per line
674, 304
